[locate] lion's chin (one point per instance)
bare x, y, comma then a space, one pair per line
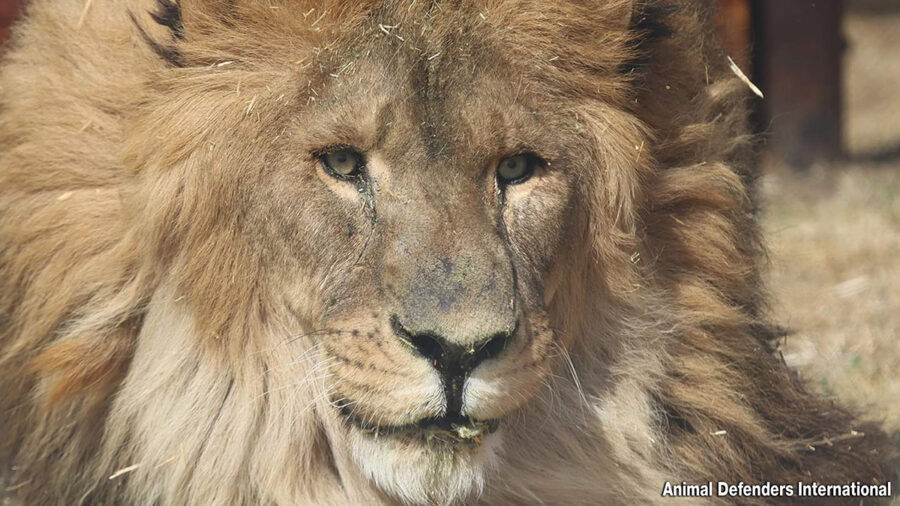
427, 467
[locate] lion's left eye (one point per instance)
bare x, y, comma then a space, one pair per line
517, 169
342, 163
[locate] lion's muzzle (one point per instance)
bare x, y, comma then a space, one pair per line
452, 360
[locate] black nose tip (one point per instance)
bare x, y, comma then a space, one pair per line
450, 357
453, 361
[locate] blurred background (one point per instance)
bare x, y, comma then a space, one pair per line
830, 127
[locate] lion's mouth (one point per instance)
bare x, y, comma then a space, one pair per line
454, 429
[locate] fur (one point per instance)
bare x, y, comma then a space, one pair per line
180, 310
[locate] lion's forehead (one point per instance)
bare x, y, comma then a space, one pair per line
408, 110
440, 85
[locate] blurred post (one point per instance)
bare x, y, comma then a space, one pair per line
798, 51
8, 10
735, 26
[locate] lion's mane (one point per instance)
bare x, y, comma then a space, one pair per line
95, 225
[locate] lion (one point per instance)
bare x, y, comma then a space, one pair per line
329, 252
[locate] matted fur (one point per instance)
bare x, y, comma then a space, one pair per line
162, 307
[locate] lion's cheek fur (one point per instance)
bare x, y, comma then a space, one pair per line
186, 413
175, 412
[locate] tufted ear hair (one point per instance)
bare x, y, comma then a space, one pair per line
650, 18
174, 13
200, 32
649, 23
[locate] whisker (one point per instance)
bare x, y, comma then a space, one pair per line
571, 368
314, 354
309, 377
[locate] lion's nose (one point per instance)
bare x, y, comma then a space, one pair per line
453, 361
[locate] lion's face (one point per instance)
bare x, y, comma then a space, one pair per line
436, 213
419, 213
410, 213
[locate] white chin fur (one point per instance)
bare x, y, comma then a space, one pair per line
425, 475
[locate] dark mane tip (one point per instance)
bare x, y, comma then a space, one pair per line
649, 24
169, 54
673, 421
168, 14
650, 20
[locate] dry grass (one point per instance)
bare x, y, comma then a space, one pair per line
834, 236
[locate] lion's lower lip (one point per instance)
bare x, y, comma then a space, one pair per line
456, 428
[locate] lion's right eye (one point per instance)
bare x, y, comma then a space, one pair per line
517, 169
342, 163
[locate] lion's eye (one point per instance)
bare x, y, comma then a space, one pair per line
517, 169
342, 163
